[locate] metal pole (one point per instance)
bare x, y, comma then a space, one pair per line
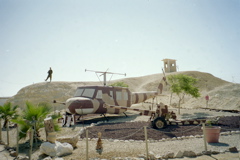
204, 137
86, 144
146, 139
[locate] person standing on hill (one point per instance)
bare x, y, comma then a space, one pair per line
50, 71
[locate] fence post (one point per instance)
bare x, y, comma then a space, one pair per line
0, 130
86, 144
146, 139
204, 137
17, 149
31, 143
7, 134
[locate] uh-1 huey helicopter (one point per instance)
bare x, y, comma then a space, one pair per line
104, 99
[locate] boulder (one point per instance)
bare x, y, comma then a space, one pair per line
47, 158
189, 154
151, 155
23, 158
207, 152
63, 149
179, 154
168, 155
233, 149
57, 149
48, 149
69, 139
13, 153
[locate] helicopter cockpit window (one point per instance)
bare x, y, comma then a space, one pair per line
88, 92
78, 93
119, 95
111, 94
99, 94
125, 95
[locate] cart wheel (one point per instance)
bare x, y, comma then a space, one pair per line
159, 123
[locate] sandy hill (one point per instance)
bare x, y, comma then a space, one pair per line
223, 94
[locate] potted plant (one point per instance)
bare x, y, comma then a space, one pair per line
212, 132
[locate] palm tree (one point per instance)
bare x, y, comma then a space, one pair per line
33, 117
7, 112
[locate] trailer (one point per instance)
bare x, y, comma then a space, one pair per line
161, 118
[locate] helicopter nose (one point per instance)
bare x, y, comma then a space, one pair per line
80, 106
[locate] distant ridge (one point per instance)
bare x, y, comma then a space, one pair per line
218, 90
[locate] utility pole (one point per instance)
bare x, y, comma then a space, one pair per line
105, 75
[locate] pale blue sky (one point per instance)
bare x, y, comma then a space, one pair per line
124, 36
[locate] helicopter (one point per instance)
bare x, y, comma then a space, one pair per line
94, 99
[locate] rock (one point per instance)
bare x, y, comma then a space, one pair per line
233, 149
63, 148
82, 130
207, 152
198, 136
199, 154
151, 155
189, 154
23, 158
93, 124
142, 156
174, 138
179, 154
169, 155
57, 149
13, 153
71, 140
215, 152
2, 143
158, 156
48, 149
47, 158
191, 136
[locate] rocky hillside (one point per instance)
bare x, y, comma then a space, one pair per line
223, 94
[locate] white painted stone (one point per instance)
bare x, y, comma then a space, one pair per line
151, 155
179, 154
189, 154
69, 139
191, 136
198, 136
170, 155
47, 158
174, 138
63, 148
48, 149
111, 140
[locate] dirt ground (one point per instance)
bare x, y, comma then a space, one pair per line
122, 130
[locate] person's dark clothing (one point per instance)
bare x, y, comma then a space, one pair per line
49, 75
